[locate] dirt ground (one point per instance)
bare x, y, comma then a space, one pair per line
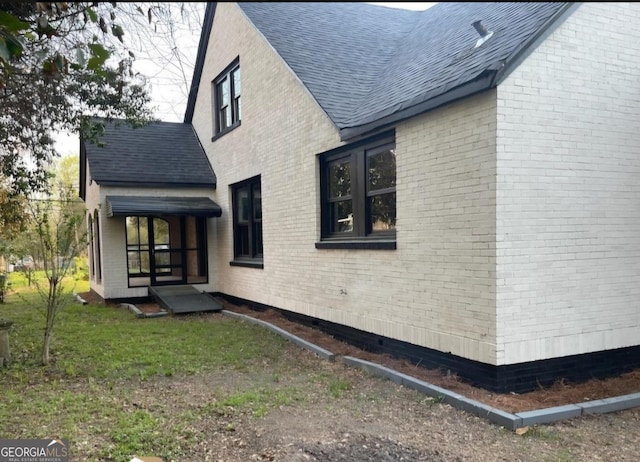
559, 394
373, 419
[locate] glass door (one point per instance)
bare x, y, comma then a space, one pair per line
167, 255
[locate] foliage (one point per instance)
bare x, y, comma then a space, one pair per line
60, 64
81, 268
18, 238
11, 216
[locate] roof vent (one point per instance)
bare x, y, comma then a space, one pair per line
484, 33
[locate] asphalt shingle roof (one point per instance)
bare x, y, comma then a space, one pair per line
364, 62
162, 153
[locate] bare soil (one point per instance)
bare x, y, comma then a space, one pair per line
561, 393
371, 419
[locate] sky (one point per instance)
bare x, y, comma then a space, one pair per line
167, 96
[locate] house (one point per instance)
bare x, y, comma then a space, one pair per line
457, 186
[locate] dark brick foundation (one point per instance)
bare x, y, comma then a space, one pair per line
518, 378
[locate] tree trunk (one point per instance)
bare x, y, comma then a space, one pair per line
45, 347
5, 355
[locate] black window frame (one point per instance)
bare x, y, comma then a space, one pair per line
137, 246
92, 254
97, 237
234, 106
361, 236
246, 232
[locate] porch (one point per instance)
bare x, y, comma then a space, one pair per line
166, 238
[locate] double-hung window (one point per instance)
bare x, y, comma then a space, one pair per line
358, 189
226, 101
247, 223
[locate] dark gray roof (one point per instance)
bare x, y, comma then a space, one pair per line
368, 65
159, 154
144, 205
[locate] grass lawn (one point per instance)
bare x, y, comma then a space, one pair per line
208, 387
103, 354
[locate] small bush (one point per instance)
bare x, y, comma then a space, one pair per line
81, 268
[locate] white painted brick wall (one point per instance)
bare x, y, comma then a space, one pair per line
568, 194
92, 203
113, 248
438, 288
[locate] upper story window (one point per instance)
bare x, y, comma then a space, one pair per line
358, 191
226, 99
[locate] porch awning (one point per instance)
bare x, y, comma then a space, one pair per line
145, 206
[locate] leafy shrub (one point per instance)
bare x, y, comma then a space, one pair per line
81, 265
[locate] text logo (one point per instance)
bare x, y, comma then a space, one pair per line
48, 450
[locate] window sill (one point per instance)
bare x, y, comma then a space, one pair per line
226, 130
248, 263
369, 244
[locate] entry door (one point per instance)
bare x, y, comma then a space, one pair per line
167, 251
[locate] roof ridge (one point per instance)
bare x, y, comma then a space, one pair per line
369, 70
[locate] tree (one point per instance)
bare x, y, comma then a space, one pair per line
11, 214
60, 65
167, 52
55, 221
54, 232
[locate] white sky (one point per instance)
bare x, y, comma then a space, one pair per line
170, 103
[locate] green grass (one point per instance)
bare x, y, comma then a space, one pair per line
256, 402
100, 352
337, 387
108, 343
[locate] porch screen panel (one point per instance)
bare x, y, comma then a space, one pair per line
162, 244
196, 251
138, 246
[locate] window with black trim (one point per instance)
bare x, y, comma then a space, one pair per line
92, 254
358, 188
247, 223
96, 222
226, 99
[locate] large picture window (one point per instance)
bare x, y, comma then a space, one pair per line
358, 188
226, 96
247, 223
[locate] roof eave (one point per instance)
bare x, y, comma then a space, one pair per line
491, 78
82, 180
139, 184
209, 14
474, 87
522, 53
